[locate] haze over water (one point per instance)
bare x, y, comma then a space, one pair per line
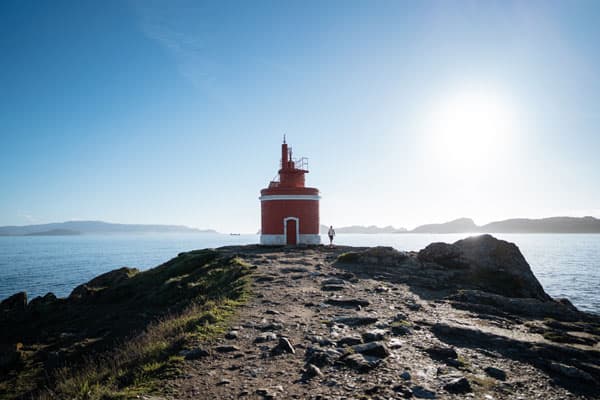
566, 265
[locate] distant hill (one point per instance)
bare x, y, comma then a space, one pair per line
362, 229
545, 225
90, 227
461, 225
516, 225
55, 232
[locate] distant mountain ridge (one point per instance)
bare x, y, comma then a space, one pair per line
516, 225
460, 225
467, 225
363, 229
89, 227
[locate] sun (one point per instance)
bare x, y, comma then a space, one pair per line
470, 125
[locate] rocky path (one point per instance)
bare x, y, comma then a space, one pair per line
315, 331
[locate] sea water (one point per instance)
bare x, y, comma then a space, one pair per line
567, 265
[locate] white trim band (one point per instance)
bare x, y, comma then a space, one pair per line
279, 240
269, 197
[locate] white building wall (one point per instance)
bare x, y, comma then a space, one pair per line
279, 240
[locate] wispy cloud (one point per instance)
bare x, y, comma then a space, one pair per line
170, 25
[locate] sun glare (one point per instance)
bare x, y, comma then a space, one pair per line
470, 125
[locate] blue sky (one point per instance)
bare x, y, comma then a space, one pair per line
410, 112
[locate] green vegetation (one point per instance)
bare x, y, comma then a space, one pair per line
136, 327
348, 257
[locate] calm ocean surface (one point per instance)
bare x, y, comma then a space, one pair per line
566, 265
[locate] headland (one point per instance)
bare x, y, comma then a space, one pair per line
468, 318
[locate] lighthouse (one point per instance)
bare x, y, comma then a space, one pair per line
289, 210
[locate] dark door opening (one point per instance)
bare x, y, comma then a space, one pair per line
291, 232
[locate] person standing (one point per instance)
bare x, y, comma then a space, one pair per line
331, 234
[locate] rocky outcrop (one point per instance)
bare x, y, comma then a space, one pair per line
109, 279
480, 262
15, 304
381, 255
447, 255
454, 320
491, 303
499, 266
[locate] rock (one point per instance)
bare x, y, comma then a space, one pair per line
272, 326
375, 349
458, 385
412, 305
442, 353
400, 329
266, 393
423, 392
400, 317
380, 255
360, 362
572, 372
332, 288
101, 282
322, 357
224, 382
43, 304
355, 321
404, 391
374, 390
265, 337
498, 304
226, 349
447, 255
322, 341
10, 355
374, 335
349, 341
194, 354
284, 346
351, 303
333, 281
499, 267
382, 289
14, 304
312, 370
232, 335
405, 375
495, 373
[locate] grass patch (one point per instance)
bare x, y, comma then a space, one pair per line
184, 302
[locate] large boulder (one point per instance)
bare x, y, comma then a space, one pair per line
447, 255
498, 266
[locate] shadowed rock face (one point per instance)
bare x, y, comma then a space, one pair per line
480, 263
500, 267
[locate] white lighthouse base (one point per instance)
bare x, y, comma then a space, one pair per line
279, 240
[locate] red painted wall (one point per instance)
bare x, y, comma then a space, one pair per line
274, 211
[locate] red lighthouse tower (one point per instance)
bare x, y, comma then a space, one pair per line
289, 210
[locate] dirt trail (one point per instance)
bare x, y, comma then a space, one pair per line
300, 295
